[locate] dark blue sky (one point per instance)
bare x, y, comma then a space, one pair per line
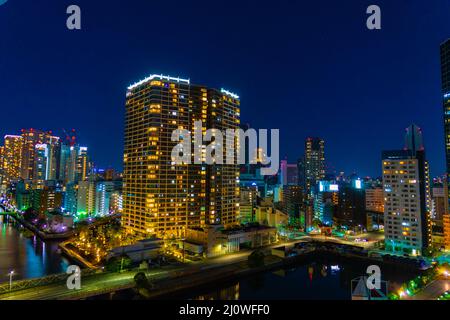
309, 68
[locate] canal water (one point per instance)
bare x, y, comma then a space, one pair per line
320, 278
29, 257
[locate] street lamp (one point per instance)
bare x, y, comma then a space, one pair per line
11, 274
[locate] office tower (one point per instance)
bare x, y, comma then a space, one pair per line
161, 198
64, 160
116, 202
351, 209
445, 77
47, 200
375, 199
293, 199
406, 190
40, 164
74, 163
439, 204
86, 198
31, 138
71, 198
104, 191
314, 171
326, 200
314, 163
23, 195
46, 160
53, 157
12, 158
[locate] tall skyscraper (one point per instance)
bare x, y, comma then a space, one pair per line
46, 160
407, 216
326, 200
351, 208
314, 171
73, 163
375, 199
445, 77
293, 199
314, 163
12, 158
31, 138
160, 197
104, 191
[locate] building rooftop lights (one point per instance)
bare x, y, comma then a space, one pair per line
447, 95
235, 96
160, 77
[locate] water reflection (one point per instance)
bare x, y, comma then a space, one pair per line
228, 293
322, 279
28, 257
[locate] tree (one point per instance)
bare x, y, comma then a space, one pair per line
256, 259
117, 264
30, 214
143, 286
429, 252
141, 280
316, 223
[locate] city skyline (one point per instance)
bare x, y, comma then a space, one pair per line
96, 111
225, 151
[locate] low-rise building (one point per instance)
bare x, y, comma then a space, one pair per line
140, 251
215, 240
266, 214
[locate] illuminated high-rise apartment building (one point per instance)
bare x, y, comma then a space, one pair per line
407, 216
31, 138
163, 198
12, 158
314, 163
46, 160
2, 178
73, 163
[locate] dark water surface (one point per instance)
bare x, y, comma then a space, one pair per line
28, 257
321, 278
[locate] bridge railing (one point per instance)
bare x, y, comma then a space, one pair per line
32, 283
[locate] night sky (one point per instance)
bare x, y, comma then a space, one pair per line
309, 68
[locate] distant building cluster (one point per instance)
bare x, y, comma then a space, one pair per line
50, 175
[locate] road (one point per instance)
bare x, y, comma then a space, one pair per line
433, 291
106, 282
92, 285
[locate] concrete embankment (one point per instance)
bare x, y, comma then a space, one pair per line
205, 276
